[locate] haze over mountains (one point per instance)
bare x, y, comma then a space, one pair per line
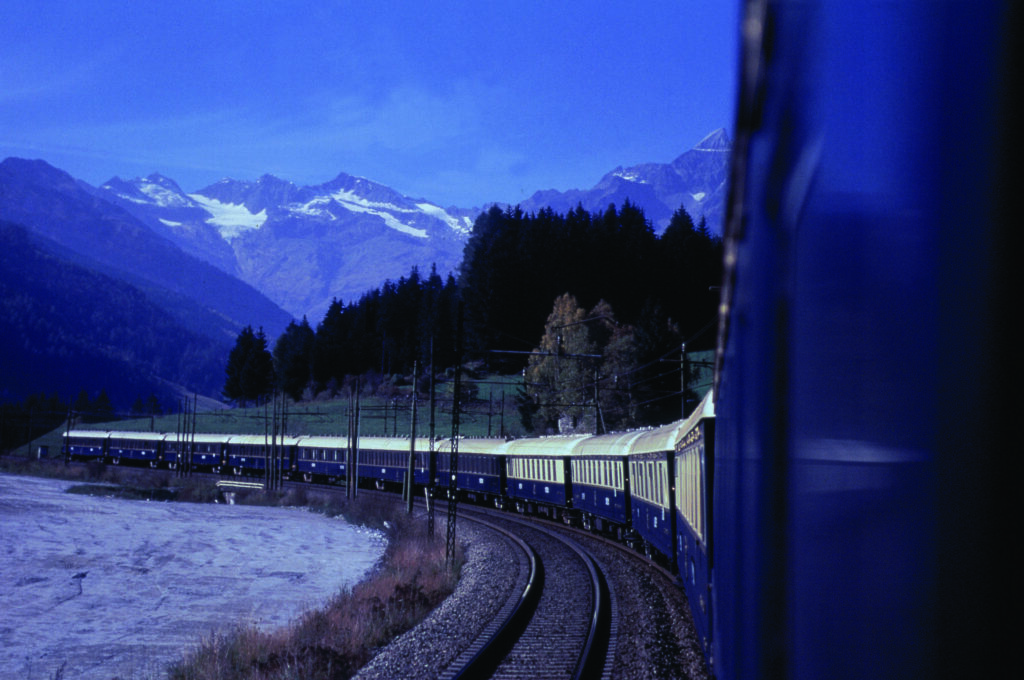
262, 252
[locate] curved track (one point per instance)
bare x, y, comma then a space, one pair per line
562, 624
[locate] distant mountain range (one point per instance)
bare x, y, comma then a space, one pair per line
304, 246
696, 181
260, 253
300, 246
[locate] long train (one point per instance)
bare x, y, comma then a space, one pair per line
849, 512
645, 487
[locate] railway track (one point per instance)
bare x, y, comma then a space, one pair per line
561, 624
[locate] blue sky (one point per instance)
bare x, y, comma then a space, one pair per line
459, 102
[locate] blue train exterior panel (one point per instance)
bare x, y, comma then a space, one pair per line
600, 478
540, 479
140, 447
653, 513
208, 451
694, 474
320, 458
867, 363
481, 467
247, 454
480, 474
601, 501
390, 473
547, 493
85, 445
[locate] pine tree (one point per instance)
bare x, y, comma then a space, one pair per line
233, 383
293, 356
249, 374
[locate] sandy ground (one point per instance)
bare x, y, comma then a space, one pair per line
106, 588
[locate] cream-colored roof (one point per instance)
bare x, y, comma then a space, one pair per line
474, 445
607, 444
260, 440
558, 445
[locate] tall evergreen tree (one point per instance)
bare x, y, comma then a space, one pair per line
233, 382
328, 362
249, 374
293, 358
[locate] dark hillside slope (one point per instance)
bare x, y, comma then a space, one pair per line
64, 328
53, 204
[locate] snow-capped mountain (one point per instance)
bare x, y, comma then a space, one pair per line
301, 246
696, 180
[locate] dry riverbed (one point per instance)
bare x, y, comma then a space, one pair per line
97, 588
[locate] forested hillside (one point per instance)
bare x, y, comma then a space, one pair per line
68, 328
623, 295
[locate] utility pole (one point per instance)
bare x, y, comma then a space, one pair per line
432, 462
409, 468
684, 369
355, 445
192, 441
454, 458
348, 449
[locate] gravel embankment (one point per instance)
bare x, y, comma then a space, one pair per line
656, 637
486, 583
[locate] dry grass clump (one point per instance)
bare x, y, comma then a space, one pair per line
334, 642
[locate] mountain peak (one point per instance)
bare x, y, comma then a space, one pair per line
35, 168
715, 141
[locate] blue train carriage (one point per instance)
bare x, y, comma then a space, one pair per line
135, 448
320, 459
652, 500
209, 451
421, 464
694, 483
539, 477
382, 461
480, 477
86, 445
247, 454
600, 482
